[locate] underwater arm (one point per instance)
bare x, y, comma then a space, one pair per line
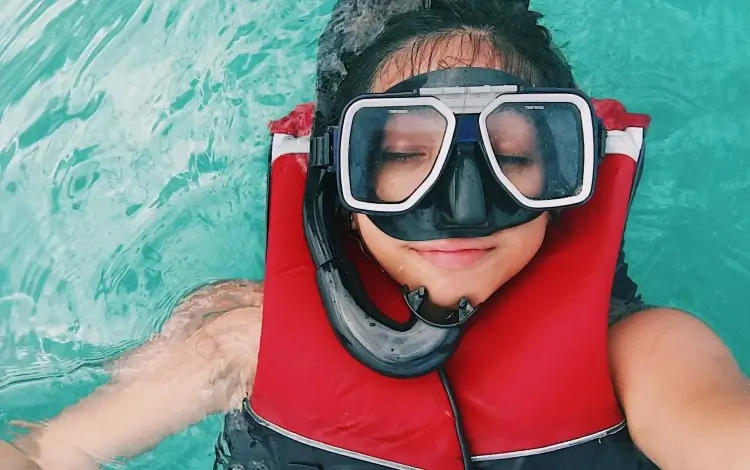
685, 398
165, 386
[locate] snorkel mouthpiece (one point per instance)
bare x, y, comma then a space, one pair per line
453, 318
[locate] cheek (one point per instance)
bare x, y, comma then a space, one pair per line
387, 251
533, 184
392, 185
528, 180
397, 181
518, 245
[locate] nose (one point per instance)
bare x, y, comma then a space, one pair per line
464, 202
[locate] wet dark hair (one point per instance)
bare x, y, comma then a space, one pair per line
348, 65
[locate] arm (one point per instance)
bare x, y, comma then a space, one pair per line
686, 401
167, 385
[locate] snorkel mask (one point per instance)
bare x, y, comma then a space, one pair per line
452, 153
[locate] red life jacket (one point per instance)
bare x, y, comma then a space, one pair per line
530, 376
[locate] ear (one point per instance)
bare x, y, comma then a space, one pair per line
353, 223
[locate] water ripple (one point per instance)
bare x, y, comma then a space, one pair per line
133, 167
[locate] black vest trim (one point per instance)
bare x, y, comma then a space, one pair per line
246, 444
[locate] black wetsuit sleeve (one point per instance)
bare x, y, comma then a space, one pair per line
624, 299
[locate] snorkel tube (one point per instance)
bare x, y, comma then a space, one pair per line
398, 350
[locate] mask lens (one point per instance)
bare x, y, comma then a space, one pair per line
538, 148
392, 151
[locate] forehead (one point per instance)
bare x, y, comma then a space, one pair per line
425, 55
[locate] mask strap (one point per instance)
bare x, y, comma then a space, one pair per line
520, 4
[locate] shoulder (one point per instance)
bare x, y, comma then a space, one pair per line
224, 323
233, 342
196, 314
650, 328
680, 388
659, 354
655, 337
221, 296
203, 305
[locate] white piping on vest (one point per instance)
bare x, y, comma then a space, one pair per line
477, 458
543, 450
284, 144
628, 142
326, 447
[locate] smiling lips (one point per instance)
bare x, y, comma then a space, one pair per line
453, 253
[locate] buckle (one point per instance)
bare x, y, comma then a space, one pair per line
320, 151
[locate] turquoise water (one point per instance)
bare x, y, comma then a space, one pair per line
133, 163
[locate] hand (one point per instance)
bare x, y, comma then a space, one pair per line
13, 459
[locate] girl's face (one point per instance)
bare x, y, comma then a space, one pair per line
452, 268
